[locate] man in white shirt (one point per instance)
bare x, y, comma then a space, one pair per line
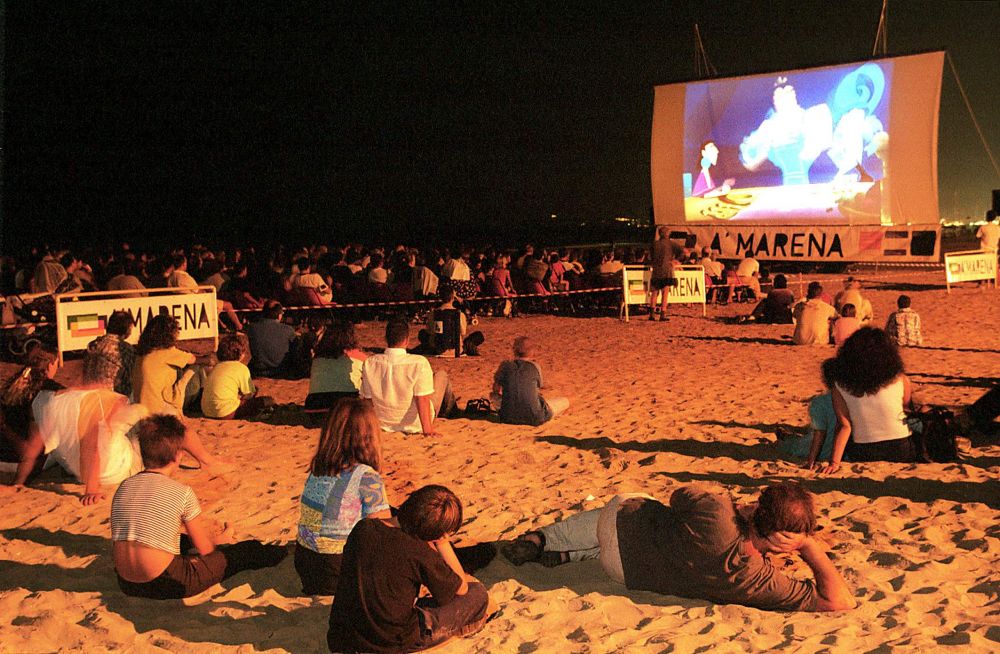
989, 233
456, 268
309, 279
406, 393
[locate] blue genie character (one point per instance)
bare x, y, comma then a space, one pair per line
790, 136
859, 132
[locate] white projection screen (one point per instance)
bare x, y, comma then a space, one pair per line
852, 144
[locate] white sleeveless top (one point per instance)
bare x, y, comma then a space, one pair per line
57, 415
878, 417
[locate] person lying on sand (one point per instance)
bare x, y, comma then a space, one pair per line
147, 514
700, 546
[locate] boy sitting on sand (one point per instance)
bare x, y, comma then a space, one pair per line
515, 389
229, 392
903, 326
385, 564
147, 514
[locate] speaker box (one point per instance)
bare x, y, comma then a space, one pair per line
996, 200
922, 243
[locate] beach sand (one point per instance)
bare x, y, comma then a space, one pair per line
654, 406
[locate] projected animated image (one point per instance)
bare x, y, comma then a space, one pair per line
809, 145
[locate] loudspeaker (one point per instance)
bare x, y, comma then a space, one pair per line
996, 200
922, 243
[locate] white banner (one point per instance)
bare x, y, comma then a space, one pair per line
690, 287
970, 266
835, 243
82, 317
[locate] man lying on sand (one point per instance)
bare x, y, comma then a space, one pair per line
700, 546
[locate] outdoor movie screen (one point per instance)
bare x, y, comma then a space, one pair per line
846, 144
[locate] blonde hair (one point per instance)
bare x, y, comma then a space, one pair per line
351, 435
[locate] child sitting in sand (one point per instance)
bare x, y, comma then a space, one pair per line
846, 324
344, 487
147, 513
516, 386
903, 326
384, 567
229, 392
817, 443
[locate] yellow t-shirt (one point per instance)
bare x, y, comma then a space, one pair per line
155, 378
228, 381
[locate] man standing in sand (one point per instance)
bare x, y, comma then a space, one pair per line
407, 395
662, 277
700, 546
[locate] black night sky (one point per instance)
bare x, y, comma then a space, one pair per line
363, 120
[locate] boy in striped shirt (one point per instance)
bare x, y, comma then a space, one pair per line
149, 511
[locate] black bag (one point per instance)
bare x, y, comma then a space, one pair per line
478, 408
935, 429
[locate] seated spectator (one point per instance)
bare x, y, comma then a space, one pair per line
377, 274
870, 397
611, 265
126, 277
271, 342
148, 512
407, 395
817, 444
516, 386
86, 430
447, 330
336, 368
180, 278
852, 295
307, 279
343, 487
239, 290
229, 392
425, 282
700, 546
845, 325
165, 378
903, 326
776, 307
748, 274
385, 565
117, 330
535, 271
16, 419
812, 319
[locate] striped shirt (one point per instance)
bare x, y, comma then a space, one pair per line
149, 507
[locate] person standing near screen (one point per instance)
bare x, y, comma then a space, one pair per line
989, 233
662, 277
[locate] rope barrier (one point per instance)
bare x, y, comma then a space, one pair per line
398, 303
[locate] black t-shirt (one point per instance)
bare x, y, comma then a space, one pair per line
380, 578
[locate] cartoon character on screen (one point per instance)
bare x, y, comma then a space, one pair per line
790, 136
859, 131
704, 186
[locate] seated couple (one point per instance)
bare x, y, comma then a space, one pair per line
88, 429
350, 545
701, 546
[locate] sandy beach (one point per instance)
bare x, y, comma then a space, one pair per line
654, 406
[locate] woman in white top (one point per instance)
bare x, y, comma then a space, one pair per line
86, 429
869, 396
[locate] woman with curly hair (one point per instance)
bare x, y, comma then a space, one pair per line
164, 378
16, 397
869, 395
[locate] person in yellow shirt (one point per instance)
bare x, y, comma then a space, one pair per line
165, 378
229, 392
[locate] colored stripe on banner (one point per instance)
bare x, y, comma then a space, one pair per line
85, 325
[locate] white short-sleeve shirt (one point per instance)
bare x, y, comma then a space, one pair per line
392, 381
